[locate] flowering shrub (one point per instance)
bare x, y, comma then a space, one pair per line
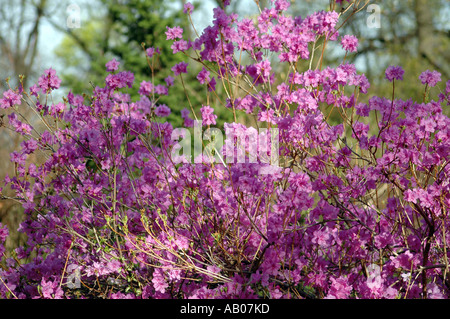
357, 209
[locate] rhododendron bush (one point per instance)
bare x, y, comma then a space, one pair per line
118, 208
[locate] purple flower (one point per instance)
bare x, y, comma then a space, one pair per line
266, 116
179, 68
10, 98
340, 288
112, 65
362, 109
322, 238
162, 110
57, 109
19, 127
282, 5
263, 69
3, 232
394, 73
174, 33
146, 88
169, 80
120, 80
188, 8
158, 281
185, 113
260, 71
49, 81
203, 76
161, 89
188, 122
382, 240
311, 78
404, 260
445, 96
29, 146
51, 289
359, 130
127, 78
212, 85
208, 115
151, 51
431, 78
244, 209
179, 46
349, 43
34, 90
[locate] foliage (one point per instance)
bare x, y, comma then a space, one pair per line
124, 32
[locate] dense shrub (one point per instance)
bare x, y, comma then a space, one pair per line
119, 209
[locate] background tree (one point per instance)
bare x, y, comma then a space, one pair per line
412, 33
119, 29
20, 54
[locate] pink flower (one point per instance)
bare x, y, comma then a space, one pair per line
34, 90
208, 116
112, 65
19, 127
179, 68
10, 98
212, 270
394, 73
3, 233
49, 81
185, 113
174, 33
159, 283
146, 88
382, 240
51, 289
266, 116
434, 292
188, 122
282, 5
430, 78
161, 89
349, 43
339, 289
169, 80
162, 110
311, 78
203, 76
405, 260
120, 80
263, 69
179, 46
212, 85
322, 238
375, 285
151, 51
188, 8
57, 109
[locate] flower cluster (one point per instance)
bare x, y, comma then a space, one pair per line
394, 73
357, 209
